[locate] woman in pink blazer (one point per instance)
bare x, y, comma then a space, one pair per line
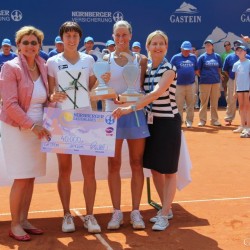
24, 91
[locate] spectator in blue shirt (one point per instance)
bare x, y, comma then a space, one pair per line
59, 47
136, 47
186, 65
209, 65
89, 45
6, 53
43, 54
110, 45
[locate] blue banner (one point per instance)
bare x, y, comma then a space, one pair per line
194, 20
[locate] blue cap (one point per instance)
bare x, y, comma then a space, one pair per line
6, 41
110, 42
186, 45
241, 47
58, 39
209, 41
88, 38
136, 44
238, 42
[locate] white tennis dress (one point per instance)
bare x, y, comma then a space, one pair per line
21, 148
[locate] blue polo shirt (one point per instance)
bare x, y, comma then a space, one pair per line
53, 52
208, 64
186, 67
4, 58
229, 62
44, 55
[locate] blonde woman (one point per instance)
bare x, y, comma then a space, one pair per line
127, 129
24, 90
162, 147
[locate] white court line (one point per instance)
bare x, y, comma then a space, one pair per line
215, 199
98, 236
143, 204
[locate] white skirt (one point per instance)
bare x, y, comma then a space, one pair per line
22, 154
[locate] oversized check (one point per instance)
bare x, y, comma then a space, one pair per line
79, 131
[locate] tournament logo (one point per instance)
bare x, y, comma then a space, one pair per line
118, 16
185, 14
16, 15
245, 17
109, 119
186, 8
8, 15
96, 16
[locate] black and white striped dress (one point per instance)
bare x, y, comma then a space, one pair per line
163, 146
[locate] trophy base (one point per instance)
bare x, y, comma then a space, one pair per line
102, 94
130, 97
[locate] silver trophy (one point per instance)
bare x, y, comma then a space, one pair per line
102, 91
130, 73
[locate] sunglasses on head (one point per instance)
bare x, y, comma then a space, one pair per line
33, 43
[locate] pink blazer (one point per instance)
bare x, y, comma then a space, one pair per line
16, 88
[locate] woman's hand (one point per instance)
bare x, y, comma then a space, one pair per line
58, 97
41, 132
246, 38
235, 95
117, 113
117, 101
106, 77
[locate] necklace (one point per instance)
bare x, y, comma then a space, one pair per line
32, 69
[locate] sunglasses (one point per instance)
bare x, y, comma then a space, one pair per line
226, 45
33, 43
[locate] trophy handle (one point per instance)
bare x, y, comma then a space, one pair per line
138, 57
130, 58
99, 54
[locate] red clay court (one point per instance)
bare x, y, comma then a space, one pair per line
212, 213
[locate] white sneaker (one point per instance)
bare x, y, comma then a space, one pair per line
68, 225
91, 224
136, 220
170, 216
188, 124
238, 130
245, 135
201, 124
116, 220
216, 123
161, 223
